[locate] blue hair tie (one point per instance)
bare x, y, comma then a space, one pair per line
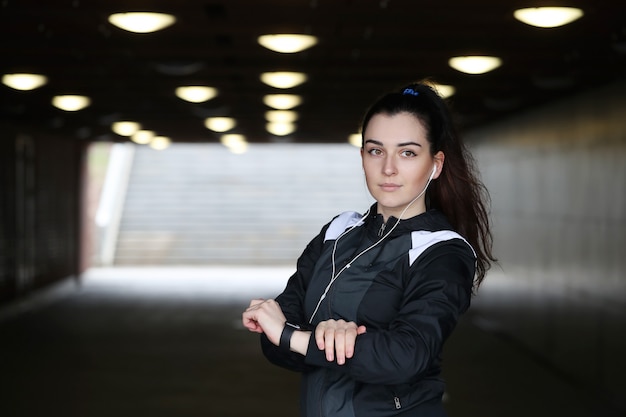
410, 91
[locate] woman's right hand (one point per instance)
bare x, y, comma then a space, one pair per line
265, 316
337, 338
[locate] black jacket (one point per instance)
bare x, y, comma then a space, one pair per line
408, 290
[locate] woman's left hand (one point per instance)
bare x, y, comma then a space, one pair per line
265, 316
337, 337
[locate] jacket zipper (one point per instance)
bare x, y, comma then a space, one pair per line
382, 229
396, 400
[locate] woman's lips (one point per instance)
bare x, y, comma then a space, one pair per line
389, 187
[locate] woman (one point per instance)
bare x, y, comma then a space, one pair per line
374, 296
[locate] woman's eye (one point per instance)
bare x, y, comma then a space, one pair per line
408, 153
375, 151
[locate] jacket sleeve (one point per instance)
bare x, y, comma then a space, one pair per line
437, 290
291, 301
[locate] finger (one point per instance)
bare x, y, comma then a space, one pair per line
319, 335
340, 346
329, 344
251, 324
361, 330
255, 303
350, 341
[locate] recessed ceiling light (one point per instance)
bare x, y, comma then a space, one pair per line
355, 139
475, 64
282, 101
160, 142
142, 137
125, 128
196, 93
220, 124
239, 148
286, 43
283, 79
142, 22
548, 17
281, 116
444, 91
71, 102
280, 128
24, 81
235, 142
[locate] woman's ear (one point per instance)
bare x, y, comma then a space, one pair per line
439, 160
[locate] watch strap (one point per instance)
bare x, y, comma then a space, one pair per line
285, 336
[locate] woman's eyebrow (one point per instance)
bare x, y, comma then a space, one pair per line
378, 143
409, 143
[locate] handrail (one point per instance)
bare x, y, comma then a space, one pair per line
110, 208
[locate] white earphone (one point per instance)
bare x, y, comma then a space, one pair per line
433, 173
335, 275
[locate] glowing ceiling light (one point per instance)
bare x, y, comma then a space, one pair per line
142, 137
125, 128
283, 79
239, 148
281, 116
24, 81
235, 142
280, 128
444, 91
142, 22
355, 139
282, 101
71, 102
220, 124
548, 17
160, 142
286, 43
196, 93
475, 64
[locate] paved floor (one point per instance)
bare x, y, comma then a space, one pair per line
168, 342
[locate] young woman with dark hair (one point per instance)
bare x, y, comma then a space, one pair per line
375, 296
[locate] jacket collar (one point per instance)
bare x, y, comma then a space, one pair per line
431, 220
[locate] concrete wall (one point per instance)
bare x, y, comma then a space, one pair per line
557, 178
40, 214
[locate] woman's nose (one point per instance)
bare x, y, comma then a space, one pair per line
390, 166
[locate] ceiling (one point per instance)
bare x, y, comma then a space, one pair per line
366, 47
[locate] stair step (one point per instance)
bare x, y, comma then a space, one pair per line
199, 204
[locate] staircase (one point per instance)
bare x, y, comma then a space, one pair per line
200, 204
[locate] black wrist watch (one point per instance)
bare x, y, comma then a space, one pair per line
285, 337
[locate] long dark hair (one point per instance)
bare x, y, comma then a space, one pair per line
458, 192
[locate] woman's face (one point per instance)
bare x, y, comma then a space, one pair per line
397, 163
